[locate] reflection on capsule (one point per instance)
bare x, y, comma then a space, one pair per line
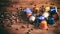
41, 18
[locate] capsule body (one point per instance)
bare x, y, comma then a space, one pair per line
28, 12
51, 21
47, 9
53, 10
32, 18
46, 14
55, 16
43, 24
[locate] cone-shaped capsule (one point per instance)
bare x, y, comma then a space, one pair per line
46, 14
43, 24
47, 9
55, 16
53, 9
41, 18
32, 18
51, 20
28, 12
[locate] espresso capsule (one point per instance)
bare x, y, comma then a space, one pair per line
51, 20
28, 12
43, 24
47, 9
46, 14
41, 18
55, 16
53, 9
32, 18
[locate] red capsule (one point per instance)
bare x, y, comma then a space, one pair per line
55, 16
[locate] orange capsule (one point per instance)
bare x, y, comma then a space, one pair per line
43, 24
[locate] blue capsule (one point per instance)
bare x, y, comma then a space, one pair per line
41, 18
51, 20
27, 10
53, 10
